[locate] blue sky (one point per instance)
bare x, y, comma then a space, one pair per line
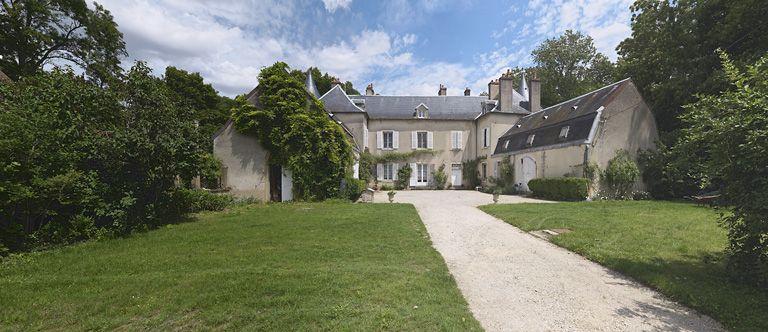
402, 47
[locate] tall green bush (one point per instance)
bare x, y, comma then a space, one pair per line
403, 177
732, 127
470, 172
620, 176
79, 159
440, 177
295, 128
505, 182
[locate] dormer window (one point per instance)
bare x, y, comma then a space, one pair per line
564, 132
529, 140
422, 111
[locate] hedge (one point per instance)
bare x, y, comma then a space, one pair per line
560, 189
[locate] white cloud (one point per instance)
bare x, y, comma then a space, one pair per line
332, 5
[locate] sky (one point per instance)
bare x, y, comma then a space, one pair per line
402, 47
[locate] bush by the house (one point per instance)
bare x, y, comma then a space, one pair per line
403, 177
618, 178
560, 189
470, 172
197, 200
386, 187
505, 182
79, 160
353, 188
440, 177
732, 128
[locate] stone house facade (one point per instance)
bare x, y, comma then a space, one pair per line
438, 130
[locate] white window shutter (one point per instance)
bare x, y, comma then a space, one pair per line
365, 137
413, 174
395, 140
430, 140
414, 140
379, 139
459, 139
394, 171
379, 171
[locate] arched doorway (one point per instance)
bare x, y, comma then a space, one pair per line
528, 172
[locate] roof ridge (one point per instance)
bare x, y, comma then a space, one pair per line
577, 97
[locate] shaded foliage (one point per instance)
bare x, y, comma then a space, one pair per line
619, 176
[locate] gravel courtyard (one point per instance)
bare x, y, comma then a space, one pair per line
514, 281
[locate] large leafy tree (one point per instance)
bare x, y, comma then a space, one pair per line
569, 65
37, 33
732, 127
671, 54
209, 109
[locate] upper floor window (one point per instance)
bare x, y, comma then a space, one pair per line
456, 140
506, 144
388, 139
564, 132
421, 139
422, 111
486, 137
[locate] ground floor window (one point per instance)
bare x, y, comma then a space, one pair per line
484, 170
421, 173
389, 172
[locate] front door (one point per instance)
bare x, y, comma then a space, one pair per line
529, 172
275, 183
456, 175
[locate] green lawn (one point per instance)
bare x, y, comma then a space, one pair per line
676, 248
303, 266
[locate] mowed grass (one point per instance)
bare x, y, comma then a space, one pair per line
303, 266
676, 248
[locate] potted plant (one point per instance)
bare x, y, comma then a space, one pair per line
391, 195
496, 193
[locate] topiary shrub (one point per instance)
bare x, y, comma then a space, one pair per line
619, 176
560, 189
403, 177
440, 177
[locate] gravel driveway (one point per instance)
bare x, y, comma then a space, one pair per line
517, 282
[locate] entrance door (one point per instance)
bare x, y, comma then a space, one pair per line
456, 175
275, 183
529, 172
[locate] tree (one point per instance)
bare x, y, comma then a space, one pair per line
570, 66
732, 127
210, 109
671, 54
297, 131
37, 33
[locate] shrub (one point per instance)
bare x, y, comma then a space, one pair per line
560, 188
619, 176
403, 177
440, 177
386, 187
197, 200
505, 183
353, 188
470, 172
668, 172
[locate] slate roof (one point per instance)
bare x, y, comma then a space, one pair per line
336, 101
579, 114
4, 78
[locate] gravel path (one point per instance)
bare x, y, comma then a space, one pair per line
516, 282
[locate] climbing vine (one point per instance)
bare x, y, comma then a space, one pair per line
296, 130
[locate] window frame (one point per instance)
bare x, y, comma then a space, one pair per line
418, 139
389, 171
391, 139
563, 136
486, 139
422, 173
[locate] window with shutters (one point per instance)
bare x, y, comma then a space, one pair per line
422, 171
456, 140
388, 137
421, 139
389, 172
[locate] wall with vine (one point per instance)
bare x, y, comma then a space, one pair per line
296, 130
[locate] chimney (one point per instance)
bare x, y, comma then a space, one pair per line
467, 91
443, 90
534, 93
493, 89
369, 90
506, 90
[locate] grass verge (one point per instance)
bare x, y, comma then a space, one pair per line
676, 248
303, 266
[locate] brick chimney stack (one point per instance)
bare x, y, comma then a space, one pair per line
506, 90
443, 90
493, 89
467, 91
369, 90
534, 93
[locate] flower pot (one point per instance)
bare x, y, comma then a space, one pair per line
495, 198
391, 197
